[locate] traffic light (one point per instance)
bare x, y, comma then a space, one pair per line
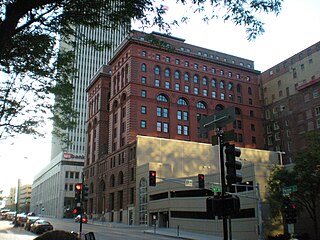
152, 178
232, 165
77, 211
85, 193
290, 211
227, 206
201, 180
78, 191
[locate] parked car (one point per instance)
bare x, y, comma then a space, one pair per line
30, 221
84, 218
41, 226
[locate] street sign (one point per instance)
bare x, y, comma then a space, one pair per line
219, 119
216, 188
287, 190
188, 182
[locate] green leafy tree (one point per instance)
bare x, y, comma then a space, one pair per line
33, 70
305, 174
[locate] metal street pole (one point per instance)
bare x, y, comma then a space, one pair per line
223, 181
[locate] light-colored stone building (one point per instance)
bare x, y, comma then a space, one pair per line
173, 204
53, 188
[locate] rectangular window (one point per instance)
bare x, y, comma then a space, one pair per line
205, 92
159, 126
214, 95
143, 80
144, 53
179, 129
157, 56
166, 127
185, 130
179, 115
186, 89
143, 110
67, 174
71, 175
165, 112
66, 187
77, 175
167, 85
167, 59
177, 61
195, 65
71, 187
143, 124
157, 83
143, 93
185, 116
204, 68
177, 87
159, 111
275, 126
196, 91
317, 111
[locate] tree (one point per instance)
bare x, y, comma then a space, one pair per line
305, 174
34, 69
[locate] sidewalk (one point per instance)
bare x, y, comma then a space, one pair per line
170, 232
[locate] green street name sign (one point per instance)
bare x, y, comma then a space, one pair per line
216, 188
287, 190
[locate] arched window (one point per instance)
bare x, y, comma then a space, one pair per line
238, 88
182, 101
143, 201
162, 98
213, 83
204, 81
112, 182
143, 67
237, 111
221, 84
219, 107
157, 70
201, 105
186, 76
177, 75
167, 72
120, 178
195, 78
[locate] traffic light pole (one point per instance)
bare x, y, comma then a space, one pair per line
81, 206
223, 181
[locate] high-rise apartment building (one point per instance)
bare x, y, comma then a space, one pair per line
291, 94
160, 87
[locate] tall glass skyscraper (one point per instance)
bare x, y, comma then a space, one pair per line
87, 61
53, 187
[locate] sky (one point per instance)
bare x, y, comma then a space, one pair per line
292, 31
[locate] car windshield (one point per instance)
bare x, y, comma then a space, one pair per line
43, 223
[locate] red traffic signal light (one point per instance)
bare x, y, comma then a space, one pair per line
77, 210
78, 186
201, 180
152, 178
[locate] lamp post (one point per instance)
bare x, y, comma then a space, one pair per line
17, 204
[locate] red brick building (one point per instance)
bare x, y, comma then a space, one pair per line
160, 86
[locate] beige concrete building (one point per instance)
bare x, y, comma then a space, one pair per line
291, 94
173, 204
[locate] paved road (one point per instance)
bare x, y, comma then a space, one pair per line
8, 232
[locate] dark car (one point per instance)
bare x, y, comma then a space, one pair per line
41, 226
30, 221
84, 218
